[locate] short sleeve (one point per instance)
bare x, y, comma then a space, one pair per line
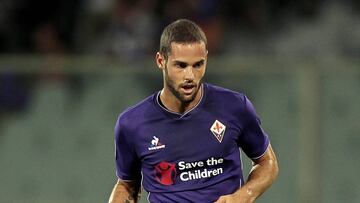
253, 140
128, 165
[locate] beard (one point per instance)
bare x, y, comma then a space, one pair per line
175, 90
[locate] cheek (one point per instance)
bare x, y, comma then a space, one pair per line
173, 75
200, 73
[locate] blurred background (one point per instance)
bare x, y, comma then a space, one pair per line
69, 67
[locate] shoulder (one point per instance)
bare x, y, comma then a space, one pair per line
224, 95
133, 114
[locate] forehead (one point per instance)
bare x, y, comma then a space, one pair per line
187, 51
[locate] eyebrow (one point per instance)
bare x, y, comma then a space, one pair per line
182, 62
200, 62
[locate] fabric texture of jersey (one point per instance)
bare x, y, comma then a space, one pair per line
190, 157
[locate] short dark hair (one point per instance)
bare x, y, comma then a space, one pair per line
180, 31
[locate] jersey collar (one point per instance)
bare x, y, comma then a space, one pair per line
181, 115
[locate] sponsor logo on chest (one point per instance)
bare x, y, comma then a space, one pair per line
167, 173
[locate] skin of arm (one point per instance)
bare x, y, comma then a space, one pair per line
125, 192
262, 175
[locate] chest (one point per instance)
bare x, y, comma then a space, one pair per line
186, 139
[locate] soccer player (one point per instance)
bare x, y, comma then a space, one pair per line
182, 144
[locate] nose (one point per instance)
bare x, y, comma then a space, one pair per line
189, 73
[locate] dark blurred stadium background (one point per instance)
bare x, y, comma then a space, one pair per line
69, 67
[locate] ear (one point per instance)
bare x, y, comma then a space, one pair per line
160, 60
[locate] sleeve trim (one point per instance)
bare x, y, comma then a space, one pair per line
126, 178
262, 154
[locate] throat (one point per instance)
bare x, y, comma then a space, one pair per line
183, 107
171, 103
176, 107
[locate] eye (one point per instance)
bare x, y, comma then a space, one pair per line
181, 65
198, 64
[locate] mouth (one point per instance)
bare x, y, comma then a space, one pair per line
188, 89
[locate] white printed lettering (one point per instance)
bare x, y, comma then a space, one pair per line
197, 174
183, 165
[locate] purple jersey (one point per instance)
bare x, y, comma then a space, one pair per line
190, 157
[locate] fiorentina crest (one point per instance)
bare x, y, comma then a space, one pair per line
218, 129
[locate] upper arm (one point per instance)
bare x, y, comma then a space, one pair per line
268, 159
128, 166
252, 140
125, 191
130, 186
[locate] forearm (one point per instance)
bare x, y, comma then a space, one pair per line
262, 175
125, 192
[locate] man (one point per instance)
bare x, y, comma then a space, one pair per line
183, 143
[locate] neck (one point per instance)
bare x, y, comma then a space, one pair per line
172, 103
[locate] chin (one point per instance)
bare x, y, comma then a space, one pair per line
188, 99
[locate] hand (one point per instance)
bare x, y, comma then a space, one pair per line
234, 198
